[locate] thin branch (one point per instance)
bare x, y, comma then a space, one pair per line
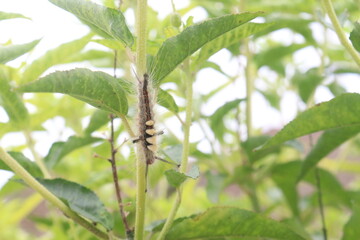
329, 9
321, 204
112, 160
319, 193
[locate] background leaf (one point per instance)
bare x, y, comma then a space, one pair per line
229, 38
96, 88
12, 102
341, 111
174, 50
11, 52
30, 166
6, 15
328, 141
229, 222
80, 199
217, 118
98, 119
167, 101
106, 22
60, 149
53, 57
355, 36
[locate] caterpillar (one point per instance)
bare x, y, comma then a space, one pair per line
147, 132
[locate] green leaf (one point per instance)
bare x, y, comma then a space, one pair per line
214, 185
60, 149
328, 141
6, 15
30, 166
53, 57
174, 152
12, 102
285, 176
107, 22
9, 53
251, 143
274, 56
355, 36
307, 83
230, 38
98, 119
351, 229
230, 223
342, 111
96, 88
176, 49
176, 178
217, 119
80, 199
167, 101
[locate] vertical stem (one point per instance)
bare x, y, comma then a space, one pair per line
249, 87
329, 9
321, 204
141, 18
185, 152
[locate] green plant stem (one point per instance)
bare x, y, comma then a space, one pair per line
329, 9
39, 161
31, 182
141, 17
185, 152
249, 88
127, 125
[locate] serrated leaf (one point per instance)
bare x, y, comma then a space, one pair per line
230, 38
12, 102
176, 49
9, 53
60, 149
355, 36
58, 55
95, 88
328, 142
98, 119
229, 222
342, 111
80, 199
167, 101
30, 166
217, 118
107, 22
6, 15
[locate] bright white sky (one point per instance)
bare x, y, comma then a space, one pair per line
56, 26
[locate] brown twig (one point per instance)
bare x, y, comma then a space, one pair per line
115, 177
